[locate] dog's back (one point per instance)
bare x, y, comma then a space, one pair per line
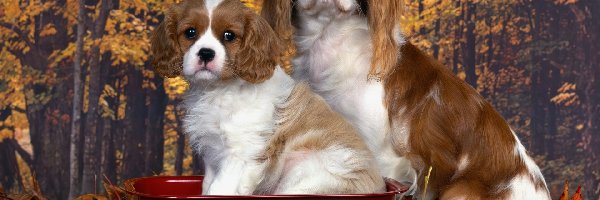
314, 150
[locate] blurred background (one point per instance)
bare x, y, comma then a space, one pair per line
79, 102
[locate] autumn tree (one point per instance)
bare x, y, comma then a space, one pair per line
41, 43
31, 32
74, 177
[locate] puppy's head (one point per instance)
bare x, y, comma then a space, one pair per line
383, 17
215, 40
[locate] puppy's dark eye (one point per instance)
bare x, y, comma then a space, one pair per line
228, 36
190, 33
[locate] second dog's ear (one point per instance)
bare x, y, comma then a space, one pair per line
167, 59
384, 23
278, 13
260, 51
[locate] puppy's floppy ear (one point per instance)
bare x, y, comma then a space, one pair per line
384, 23
260, 51
279, 14
168, 58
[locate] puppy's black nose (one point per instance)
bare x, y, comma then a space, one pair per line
206, 54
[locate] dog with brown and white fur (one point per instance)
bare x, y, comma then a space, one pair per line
258, 131
412, 112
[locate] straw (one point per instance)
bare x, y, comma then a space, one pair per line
426, 183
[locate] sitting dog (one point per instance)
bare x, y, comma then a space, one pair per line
257, 130
412, 111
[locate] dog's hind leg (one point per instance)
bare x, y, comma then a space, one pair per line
335, 170
464, 190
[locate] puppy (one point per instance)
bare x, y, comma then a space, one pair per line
257, 130
412, 111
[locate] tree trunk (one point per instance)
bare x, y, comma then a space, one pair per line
155, 127
458, 30
498, 59
108, 161
543, 104
537, 115
50, 142
588, 87
539, 80
553, 114
554, 83
591, 108
489, 59
49, 123
91, 170
108, 167
115, 125
9, 169
134, 133
469, 48
436, 31
75, 179
421, 7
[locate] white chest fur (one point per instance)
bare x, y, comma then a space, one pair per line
334, 58
229, 125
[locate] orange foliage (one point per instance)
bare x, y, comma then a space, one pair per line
565, 194
577, 195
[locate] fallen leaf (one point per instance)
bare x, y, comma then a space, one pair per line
565, 194
577, 195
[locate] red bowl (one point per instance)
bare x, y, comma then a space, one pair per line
190, 187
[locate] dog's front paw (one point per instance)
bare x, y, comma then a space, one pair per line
222, 191
244, 190
229, 190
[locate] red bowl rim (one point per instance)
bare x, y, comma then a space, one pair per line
130, 190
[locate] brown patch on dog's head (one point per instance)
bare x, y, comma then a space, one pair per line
258, 50
167, 44
384, 23
278, 14
251, 53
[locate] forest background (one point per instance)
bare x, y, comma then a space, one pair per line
79, 100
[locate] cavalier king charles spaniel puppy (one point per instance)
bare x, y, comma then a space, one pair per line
258, 131
412, 112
